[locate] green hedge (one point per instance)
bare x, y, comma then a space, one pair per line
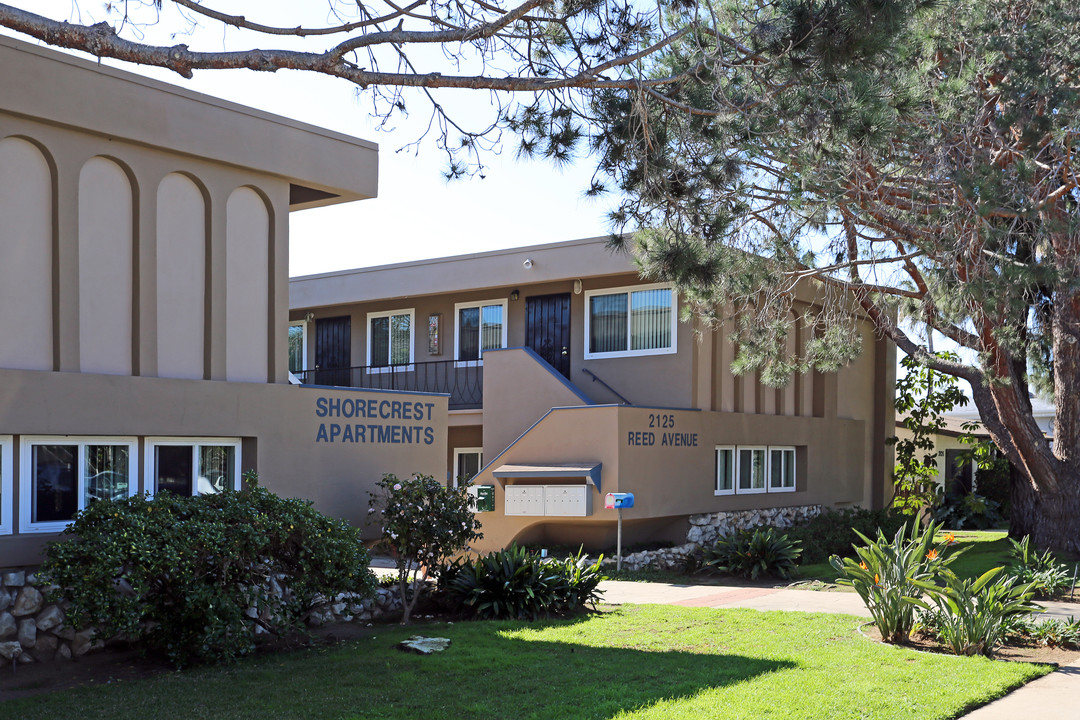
194, 577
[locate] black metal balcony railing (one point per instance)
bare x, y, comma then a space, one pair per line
463, 381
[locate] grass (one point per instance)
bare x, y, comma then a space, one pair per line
638, 662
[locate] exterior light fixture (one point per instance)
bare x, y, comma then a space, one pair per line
514, 294
577, 287
309, 317
527, 264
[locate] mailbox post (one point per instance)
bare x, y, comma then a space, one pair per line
619, 501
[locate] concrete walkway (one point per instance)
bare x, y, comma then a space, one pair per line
1053, 697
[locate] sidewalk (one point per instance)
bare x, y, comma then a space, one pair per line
1053, 697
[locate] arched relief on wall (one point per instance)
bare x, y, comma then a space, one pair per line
108, 208
28, 209
248, 269
183, 208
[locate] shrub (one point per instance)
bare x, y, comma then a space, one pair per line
958, 509
1052, 632
520, 585
834, 532
971, 614
887, 574
423, 524
1048, 577
750, 553
195, 577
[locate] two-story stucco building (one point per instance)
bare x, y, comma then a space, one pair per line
570, 377
144, 238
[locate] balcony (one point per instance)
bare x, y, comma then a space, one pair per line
463, 381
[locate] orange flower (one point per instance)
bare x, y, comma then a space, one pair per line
863, 566
932, 555
877, 580
950, 538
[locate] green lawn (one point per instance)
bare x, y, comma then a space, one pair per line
641, 662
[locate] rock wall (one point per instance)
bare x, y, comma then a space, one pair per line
33, 630
706, 528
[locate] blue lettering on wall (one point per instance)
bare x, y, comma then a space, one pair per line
389, 434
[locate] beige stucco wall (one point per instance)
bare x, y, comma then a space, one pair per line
26, 270
674, 480
182, 220
100, 294
287, 430
66, 91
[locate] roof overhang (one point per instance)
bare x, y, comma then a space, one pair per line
322, 167
589, 473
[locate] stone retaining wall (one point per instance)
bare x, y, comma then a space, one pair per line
33, 630
706, 528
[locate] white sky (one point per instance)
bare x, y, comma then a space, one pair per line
417, 213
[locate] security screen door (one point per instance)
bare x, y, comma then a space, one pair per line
333, 350
547, 329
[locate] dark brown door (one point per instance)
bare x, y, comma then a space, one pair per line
547, 329
333, 351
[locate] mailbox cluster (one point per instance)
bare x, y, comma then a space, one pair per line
557, 500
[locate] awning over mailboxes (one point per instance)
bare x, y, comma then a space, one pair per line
588, 472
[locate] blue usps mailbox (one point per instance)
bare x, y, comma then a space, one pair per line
618, 501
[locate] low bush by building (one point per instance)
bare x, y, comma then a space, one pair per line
197, 578
834, 532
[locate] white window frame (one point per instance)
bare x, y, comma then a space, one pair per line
739, 490
734, 474
196, 443
411, 312
465, 451
7, 485
629, 320
26, 443
458, 307
303, 325
794, 468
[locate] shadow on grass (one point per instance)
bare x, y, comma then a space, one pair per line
491, 670
508, 677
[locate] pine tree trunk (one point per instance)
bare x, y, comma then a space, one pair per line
1051, 519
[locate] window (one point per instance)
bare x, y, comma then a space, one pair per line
630, 321
467, 463
747, 469
390, 338
5, 484
62, 475
480, 326
297, 347
781, 469
750, 469
725, 470
187, 466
